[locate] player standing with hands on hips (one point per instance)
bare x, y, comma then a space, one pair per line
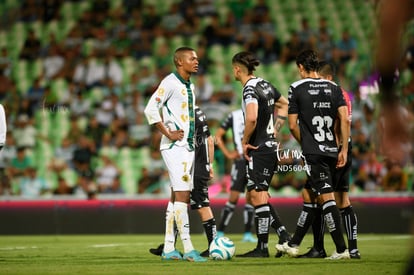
314, 106
175, 98
203, 173
260, 101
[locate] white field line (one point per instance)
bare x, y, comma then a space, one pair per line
18, 247
107, 245
395, 237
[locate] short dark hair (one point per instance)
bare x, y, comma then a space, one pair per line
309, 60
326, 68
179, 50
246, 59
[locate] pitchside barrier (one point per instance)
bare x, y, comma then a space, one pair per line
385, 213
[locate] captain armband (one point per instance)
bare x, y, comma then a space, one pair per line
282, 117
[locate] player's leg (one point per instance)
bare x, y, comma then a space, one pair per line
200, 202
238, 179
248, 212
280, 229
349, 218
318, 231
350, 222
333, 222
179, 162
262, 220
259, 175
248, 220
305, 220
227, 212
168, 248
330, 210
209, 225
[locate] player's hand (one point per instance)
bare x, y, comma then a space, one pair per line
211, 171
246, 149
233, 155
342, 159
176, 135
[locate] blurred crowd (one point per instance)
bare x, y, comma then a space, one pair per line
85, 78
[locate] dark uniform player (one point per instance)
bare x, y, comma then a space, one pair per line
235, 122
203, 172
314, 106
260, 100
326, 70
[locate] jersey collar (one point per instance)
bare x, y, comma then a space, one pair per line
182, 79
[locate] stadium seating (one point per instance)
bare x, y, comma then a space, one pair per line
287, 14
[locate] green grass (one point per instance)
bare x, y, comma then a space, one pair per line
128, 254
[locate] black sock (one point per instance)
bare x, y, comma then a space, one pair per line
276, 223
351, 227
333, 222
318, 229
262, 220
248, 215
210, 229
304, 222
226, 215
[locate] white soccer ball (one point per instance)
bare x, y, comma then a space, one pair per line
222, 248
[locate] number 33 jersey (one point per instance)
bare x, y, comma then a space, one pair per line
316, 102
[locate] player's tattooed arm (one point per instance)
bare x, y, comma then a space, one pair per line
280, 120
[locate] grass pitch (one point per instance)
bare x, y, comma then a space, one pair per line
128, 254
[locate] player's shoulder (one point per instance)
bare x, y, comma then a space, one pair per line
252, 82
171, 77
312, 81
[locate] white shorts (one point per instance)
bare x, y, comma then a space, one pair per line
179, 162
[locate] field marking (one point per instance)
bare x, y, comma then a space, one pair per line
373, 238
117, 244
107, 245
17, 247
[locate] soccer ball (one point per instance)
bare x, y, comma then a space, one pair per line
222, 248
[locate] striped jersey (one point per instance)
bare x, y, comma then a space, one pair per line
175, 99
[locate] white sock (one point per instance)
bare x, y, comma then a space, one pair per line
183, 225
169, 241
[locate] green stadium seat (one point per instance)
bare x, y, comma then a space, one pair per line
67, 10
3, 39
59, 86
129, 180
96, 95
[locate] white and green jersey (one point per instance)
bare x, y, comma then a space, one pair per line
175, 99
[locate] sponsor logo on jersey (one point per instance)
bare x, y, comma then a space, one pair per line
327, 91
328, 149
313, 92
